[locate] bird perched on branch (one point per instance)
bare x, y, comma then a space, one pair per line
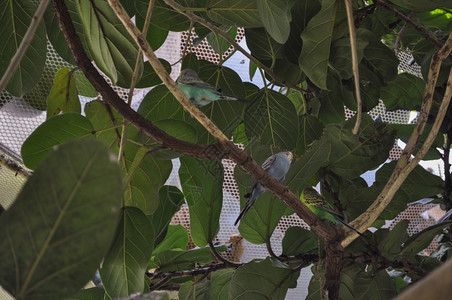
276, 166
199, 92
320, 207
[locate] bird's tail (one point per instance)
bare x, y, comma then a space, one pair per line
245, 209
350, 227
233, 98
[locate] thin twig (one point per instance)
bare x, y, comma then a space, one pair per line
26, 41
219, 257
217, 30
164, 76
133, 82
13, 166
404, 165
352, 32
424, 32
400, 33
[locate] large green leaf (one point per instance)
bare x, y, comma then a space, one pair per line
420, 5
332, 101
351, 154
302, 11
181, 260
112, 48
150, 77
202, 184
236, 13
273, 277
195, 290
275, 14
379, 58
317, 37
62, 222
171, 199
220, 282
163, 16
15, 17
147, 175
160, 104
298, 240
262, 45
63, 96
370, 285
272, 118
176, 238
54, 132
123, 268
404, 92
310, 129
341, 57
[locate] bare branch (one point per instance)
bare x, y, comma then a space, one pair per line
352, 32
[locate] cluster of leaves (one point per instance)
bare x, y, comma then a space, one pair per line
79, 208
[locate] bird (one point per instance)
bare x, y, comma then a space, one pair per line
320, 207
276, 166
199, 92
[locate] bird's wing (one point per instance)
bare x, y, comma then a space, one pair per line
269, 162
203, 85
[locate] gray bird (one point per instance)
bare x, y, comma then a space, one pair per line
199, 92
276, 166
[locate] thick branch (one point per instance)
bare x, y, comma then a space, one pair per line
424, 32
226, 36
404, 165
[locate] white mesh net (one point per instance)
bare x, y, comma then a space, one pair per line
18, 119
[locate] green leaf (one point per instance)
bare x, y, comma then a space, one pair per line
303, 169
146, 180
195, 291
302, 11
150, 77
163, 16
419, 184
369, 285
272, 118
220, 282
176, 238
63, 96
404, 92
94, 293
181, 260
156, 35
275, 15
310, 129
171, 199
123, 268
317, 37
15, 18
379, 59
390, 242
298, 240
85, 88
240, 13
218, 43
351, 154
420, 5
160, 104
113, 49
62, 222
419, 241
341, 58
54, 132
273, 280
202, 184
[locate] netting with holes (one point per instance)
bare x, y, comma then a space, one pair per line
18, 118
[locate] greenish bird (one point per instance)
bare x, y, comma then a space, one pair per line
320, 207
199, 92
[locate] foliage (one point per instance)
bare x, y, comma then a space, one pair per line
79, 212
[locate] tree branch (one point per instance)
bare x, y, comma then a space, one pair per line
404, 165
424, 32
351, 29
226, 36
